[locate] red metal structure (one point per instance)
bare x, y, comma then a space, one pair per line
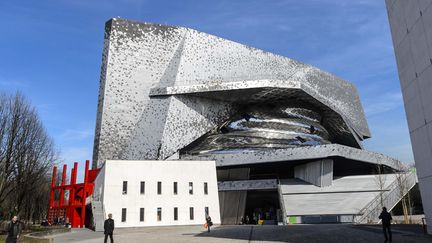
72, 207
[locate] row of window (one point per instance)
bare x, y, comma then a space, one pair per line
159, 214
159, 187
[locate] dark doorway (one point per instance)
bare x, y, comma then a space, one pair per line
88, 221
262, 205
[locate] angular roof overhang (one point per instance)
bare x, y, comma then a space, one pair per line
270, 90
306, 153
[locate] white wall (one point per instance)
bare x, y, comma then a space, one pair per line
410, 22
182, 172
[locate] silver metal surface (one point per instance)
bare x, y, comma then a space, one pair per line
266, 126
288, 155
244, 185
164, 87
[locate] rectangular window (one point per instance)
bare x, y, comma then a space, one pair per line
190, 188
159, 214
175, 188
206, 210
142, 187
141, 214
123, 219
176, 214
159, 188
191, 213
205, 188
124, 187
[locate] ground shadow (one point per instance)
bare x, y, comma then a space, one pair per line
316, 233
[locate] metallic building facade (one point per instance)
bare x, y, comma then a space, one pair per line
161, 80
271, 123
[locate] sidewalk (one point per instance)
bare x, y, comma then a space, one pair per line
345, 233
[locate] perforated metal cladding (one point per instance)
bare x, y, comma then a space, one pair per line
131, 69
332, 120
139, 57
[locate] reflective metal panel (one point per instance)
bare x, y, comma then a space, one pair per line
266, 126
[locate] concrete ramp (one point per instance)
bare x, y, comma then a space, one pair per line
344, 201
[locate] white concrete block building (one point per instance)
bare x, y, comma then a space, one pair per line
156, 193
411, 28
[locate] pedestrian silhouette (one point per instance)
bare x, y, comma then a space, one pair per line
109, 228
209, 223
13, 230
386, 219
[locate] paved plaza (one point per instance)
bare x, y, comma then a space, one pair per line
245, 233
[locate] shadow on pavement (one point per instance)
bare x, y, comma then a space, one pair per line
230, 232
316, 233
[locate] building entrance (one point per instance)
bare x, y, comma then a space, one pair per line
262, 207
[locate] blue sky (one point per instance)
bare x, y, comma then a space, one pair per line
51, 51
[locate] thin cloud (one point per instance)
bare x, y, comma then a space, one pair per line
69, 155
350, 39
77, 134
75, 154
13, 83
401, 152
383, 103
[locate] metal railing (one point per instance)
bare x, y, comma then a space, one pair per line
390, 197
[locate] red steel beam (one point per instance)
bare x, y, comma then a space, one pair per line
74, 209
70, 209
73, 194
51, 200
84, 193
63, 181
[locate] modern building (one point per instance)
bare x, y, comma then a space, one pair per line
286, 137
411, 28
155, 193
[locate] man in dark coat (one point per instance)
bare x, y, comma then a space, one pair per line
109, 228
209, 223
386, 219
14, 230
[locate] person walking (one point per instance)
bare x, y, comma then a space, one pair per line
209, 223
109, 228
13, 230
386, 219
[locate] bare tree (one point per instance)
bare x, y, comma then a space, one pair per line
380, 180
26, 156
403, 189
